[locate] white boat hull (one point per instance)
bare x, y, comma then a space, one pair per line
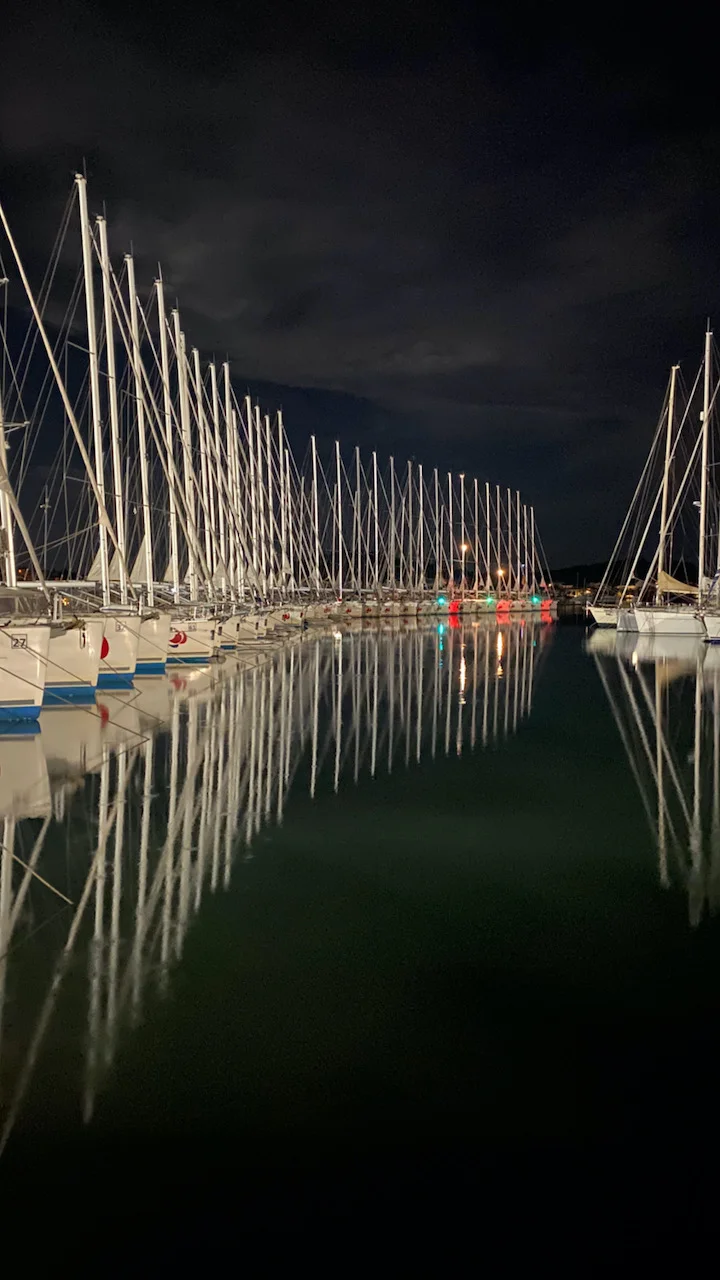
348, 610
603, 615
193, 640
73, 664
291, 615
712, 626
626, 620
241, 627
119, 653
669, 622
153, 636
321, 613
23, 663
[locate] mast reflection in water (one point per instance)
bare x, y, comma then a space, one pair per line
118, 819
664, 693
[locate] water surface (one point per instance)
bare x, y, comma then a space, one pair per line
366, 909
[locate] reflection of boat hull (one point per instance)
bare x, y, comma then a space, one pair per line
23, 662
119, 653
24, 782
642, 648
72, 742
602, 640
603, 615
669, 622
73, 663
120, 717
152, 701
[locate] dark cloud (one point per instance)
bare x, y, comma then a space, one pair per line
484, 251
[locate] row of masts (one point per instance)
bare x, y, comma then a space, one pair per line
180, 490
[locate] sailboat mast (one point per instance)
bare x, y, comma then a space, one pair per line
450, 535
525, 549
94, 380
410, 558
487, 537
476, 546
235, 572
222, 540
498, 512
113, 406
250, 414
315, 514
6, 520
204, 459
167, 415
190, 515
463, 543
510, 572
436, 483
284, 487
421, 532
294, 576
666, 481
704, 461
339, 519
140, 427
357, 528
391, 564
518, 543
377, 521
270, 505
261, 501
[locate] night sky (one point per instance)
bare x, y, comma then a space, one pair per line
479, 243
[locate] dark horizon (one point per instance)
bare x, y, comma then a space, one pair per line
473, 241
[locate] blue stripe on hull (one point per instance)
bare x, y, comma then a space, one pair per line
59, 695
115, 680
149, 668
19, 719
186, 662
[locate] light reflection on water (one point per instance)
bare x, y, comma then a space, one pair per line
664, 695
118, 819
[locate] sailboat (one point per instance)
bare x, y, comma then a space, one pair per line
660, 602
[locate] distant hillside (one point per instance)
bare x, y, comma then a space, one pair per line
579, 574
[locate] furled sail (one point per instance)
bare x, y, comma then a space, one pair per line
138, 571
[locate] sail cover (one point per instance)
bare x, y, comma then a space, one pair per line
673, 587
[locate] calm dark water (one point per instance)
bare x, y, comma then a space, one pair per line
387, 928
